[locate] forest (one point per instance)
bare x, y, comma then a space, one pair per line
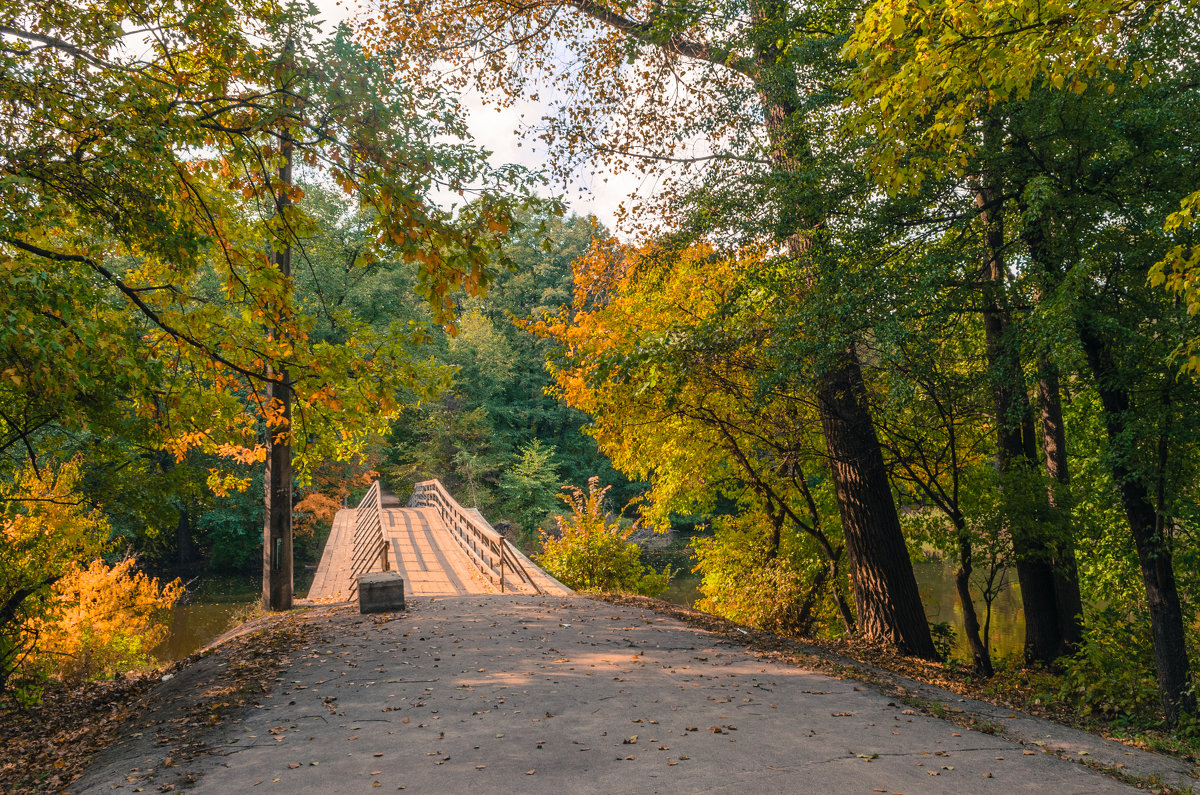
904, 280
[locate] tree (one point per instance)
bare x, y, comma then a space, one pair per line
672, 356
498, 403
529, 487
1084, 180
720, 73
46, 533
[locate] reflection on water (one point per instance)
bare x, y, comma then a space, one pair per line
683, 590
1007, 631
195, 625
936, 581
218, 604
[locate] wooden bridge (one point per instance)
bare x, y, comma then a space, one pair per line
439, 547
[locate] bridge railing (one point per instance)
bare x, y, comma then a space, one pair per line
488, 550
370, 543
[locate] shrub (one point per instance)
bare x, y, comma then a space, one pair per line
1112, 675
44, 531
106, 619
592, 551
785, 591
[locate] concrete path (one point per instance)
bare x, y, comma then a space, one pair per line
569, 695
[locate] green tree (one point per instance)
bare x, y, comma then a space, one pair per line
530, 486
149, 171
1076, 188
775, 178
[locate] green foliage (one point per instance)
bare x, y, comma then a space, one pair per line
747, 581
591, 551
530, 487
944, 638
1112, 674
498, 404
231, 531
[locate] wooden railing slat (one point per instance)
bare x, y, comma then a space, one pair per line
370, 546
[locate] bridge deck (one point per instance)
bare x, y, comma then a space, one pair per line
420, 549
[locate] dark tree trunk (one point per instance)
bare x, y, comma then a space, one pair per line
1016, 449
885, 589
185, 547
1054, 448
1054, 445
277, 513
277, 507
962, 584
1153, 550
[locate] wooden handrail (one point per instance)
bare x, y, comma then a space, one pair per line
370, 545
488, 550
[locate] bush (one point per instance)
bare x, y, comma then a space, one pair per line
786, 592
105, 619
1112, 676
592, 551
44, 531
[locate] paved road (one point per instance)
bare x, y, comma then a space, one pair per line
569, 695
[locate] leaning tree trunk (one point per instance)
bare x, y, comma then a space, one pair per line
962, 584
885, 589
1153, 550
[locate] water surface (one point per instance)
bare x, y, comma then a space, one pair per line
936, 582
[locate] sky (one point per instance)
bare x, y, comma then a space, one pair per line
597, 193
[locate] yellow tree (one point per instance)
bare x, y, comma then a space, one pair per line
674, 357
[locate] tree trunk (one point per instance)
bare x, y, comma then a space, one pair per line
1054, 446
885, 589
1154, 553
962, 584
185, 547
1016, 450
277, 508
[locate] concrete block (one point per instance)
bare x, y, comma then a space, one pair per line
380, 592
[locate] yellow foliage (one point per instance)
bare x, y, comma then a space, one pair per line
44, 530
104, 619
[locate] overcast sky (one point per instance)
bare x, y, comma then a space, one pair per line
597, 193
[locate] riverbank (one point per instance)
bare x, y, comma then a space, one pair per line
327, 686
